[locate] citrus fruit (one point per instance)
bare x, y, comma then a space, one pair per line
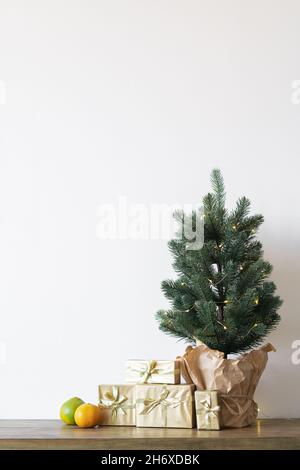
87, 415
68, 409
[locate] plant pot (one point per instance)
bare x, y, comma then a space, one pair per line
234, 379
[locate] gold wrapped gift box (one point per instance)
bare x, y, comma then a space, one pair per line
207, 410
117, 403
170, 406
152, 372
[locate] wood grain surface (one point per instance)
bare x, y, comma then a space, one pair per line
52, 434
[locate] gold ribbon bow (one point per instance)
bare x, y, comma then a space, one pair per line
146, 372
208, 410
114, 400
163, 400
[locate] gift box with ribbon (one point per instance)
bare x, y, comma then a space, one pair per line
152, 371
169, 406
117, 403
207, 410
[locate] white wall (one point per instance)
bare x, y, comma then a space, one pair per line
137, 98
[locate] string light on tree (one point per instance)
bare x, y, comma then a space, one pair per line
222, 324
252, 327
188, 309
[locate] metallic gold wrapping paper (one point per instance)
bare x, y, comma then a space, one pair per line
152, 371
117, 403
207, 410
170, 406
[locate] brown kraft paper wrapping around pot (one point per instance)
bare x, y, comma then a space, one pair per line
235, 379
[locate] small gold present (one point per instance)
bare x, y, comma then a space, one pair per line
117, 404
168, 406
207, 410
152, 371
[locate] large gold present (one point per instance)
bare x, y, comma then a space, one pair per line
117, 404
207, 409
168, 406
152, 371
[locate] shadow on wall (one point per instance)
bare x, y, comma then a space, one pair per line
278, 391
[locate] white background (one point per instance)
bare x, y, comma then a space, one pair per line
142, 99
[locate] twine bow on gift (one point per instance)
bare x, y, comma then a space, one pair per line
209, 411
164, 401
114, 400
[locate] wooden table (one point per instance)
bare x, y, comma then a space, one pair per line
52, 434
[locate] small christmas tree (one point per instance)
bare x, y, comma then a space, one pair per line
222, 296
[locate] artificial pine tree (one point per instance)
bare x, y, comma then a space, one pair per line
222, 296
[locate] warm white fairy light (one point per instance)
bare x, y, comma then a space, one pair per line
224, 302
222, 324
186, 310
252, 327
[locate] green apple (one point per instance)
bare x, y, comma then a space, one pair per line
68, 409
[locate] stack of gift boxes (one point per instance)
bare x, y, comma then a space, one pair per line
154, 397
